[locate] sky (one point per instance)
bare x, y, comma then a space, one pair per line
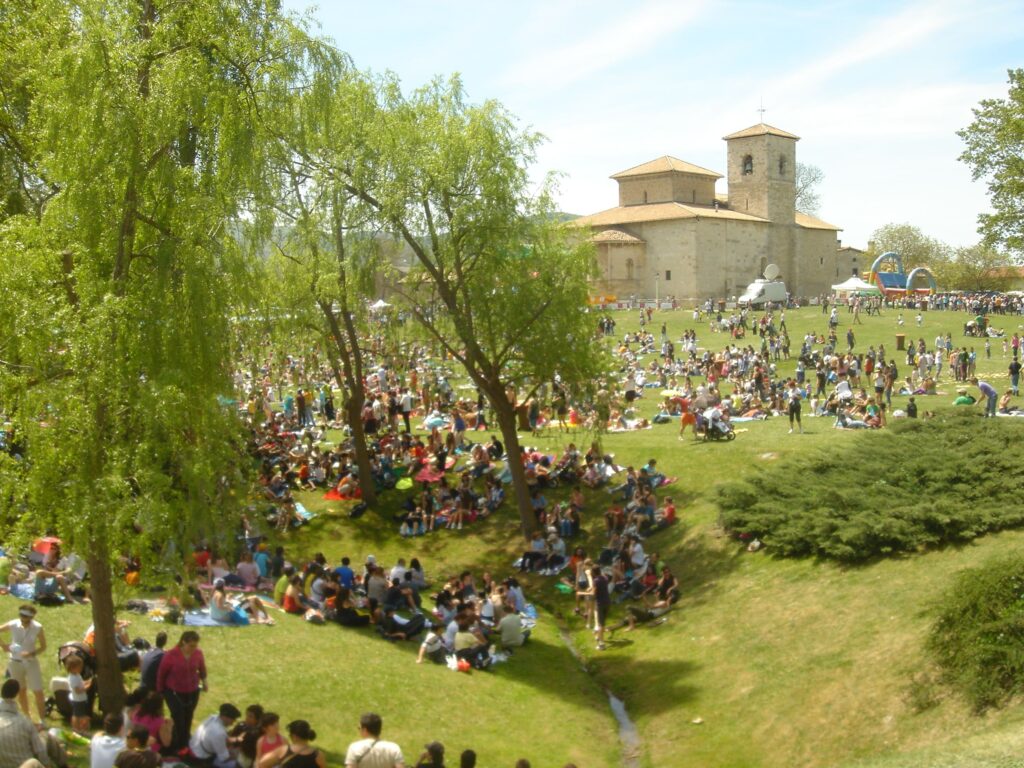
875, 90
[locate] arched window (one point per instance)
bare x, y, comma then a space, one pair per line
748, 165
629, 269
782, 165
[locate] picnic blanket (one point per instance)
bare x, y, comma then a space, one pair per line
428, 475
202, 619
304, 513
333, 495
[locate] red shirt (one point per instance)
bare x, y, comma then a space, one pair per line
179, 674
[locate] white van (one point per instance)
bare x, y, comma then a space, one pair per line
761, 291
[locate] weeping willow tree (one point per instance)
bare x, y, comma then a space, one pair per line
498, 282
117, 293
323, 255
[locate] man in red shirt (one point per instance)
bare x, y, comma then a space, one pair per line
182, 672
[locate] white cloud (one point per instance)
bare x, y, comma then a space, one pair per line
636, 31
902, 31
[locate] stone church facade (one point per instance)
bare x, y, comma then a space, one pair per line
672, 235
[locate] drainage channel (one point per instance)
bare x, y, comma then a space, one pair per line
629, 736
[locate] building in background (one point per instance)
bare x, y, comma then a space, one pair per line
672, 235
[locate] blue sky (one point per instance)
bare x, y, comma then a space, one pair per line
876, 90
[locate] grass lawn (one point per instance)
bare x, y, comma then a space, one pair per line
784, 662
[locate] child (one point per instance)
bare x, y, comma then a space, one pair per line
270, 735
79, 696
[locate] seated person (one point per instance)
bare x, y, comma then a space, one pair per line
962, 398
241, 612
136, 752
536, 555
294, 599
344, 610
210, 741
106, 744
469, 644
641, 615
845, 421
432, 648
511, 631
1004, 404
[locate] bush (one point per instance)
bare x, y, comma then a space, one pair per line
978, 637
918, 484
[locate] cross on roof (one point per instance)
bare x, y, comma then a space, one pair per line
762, 110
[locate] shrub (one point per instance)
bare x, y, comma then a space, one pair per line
915, 485
978, 637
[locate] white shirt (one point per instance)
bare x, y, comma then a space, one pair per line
23, 639
210, 740
103, 750
373, 753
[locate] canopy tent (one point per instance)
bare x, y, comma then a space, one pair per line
379, 305
855, 285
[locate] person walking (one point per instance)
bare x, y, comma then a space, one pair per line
793, 398
181, 675
1014, 370
28, 640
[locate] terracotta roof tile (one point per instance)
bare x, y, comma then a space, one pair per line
760, 130
811, 222
615, 236
666, 164
638, 214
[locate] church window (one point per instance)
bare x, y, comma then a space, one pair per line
693, 195
748, 165
782, 165
629, 269
668, 275
645, 195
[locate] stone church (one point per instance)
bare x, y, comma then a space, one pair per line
672, 235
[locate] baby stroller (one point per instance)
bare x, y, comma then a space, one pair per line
717, 428
60, 698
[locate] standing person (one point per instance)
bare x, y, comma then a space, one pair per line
1014, 370
989, 395
181, 675
150, 664
793, 397
27, 641
370, 751
405, 403
602, 602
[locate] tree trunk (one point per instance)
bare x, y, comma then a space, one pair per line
347, 379
108, 667
354, 411
505, 414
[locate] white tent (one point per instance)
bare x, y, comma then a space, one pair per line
853, 285
379, 304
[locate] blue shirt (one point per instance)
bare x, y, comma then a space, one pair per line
346, 576
262, 560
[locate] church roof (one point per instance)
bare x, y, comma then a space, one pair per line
666, 164
760, 130
615, 236
812, 222
638, 214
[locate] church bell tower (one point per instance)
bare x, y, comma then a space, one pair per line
762, 172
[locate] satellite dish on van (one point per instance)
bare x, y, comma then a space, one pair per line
771, 271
